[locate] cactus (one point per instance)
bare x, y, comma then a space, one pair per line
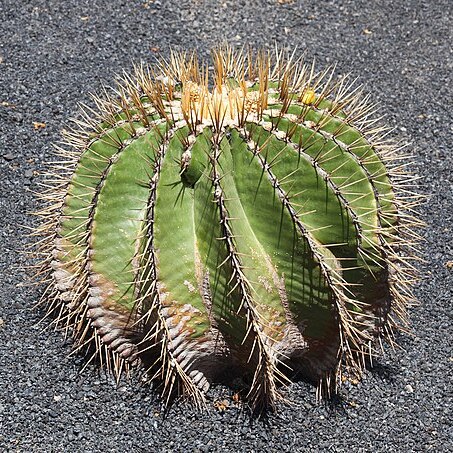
251, 217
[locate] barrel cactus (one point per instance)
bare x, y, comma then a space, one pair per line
246, 216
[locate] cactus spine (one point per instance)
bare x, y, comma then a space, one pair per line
256, 225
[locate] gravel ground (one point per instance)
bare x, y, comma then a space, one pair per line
53, 53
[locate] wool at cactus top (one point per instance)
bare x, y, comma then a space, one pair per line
250, 217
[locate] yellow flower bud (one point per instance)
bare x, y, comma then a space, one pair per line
308, 97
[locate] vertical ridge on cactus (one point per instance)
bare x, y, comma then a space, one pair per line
253, 217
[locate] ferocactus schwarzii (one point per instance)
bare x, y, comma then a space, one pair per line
249, 217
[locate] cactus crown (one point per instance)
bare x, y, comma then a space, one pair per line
247, 216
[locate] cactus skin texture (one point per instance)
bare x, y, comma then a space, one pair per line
254, 217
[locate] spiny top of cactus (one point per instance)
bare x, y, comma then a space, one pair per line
251, 214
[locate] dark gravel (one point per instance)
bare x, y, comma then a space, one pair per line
52, 53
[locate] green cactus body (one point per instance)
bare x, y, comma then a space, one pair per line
253, 226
